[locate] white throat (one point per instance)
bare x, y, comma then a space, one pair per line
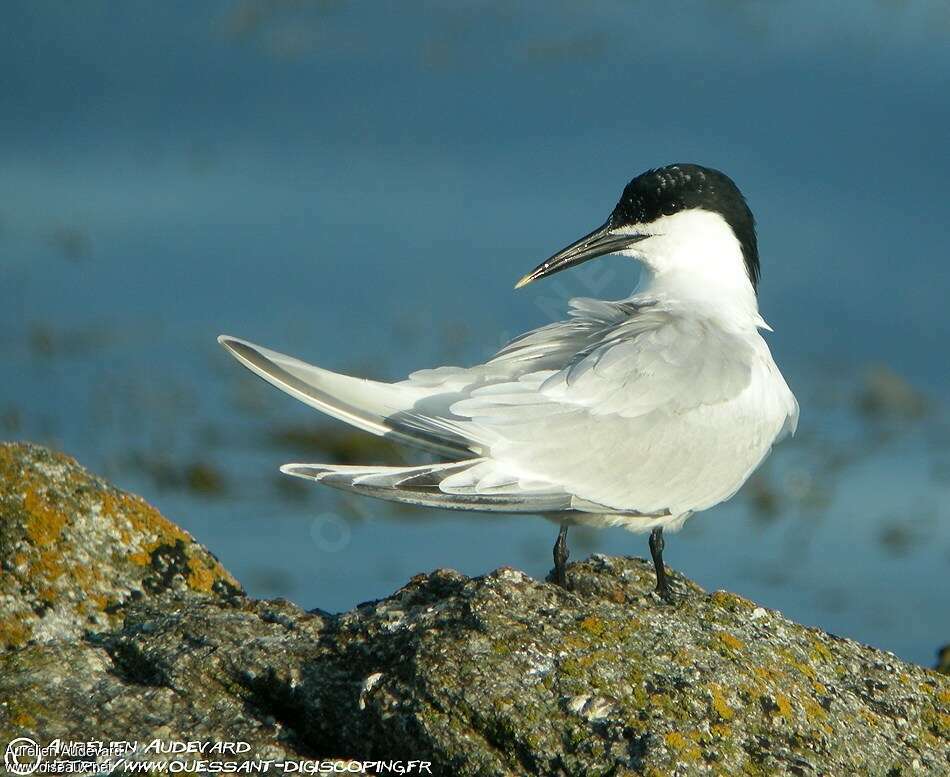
693, 256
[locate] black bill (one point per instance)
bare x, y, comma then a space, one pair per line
599, 242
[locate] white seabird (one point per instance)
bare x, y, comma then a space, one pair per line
638, 412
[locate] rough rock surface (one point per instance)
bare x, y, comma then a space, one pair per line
72, 548
495, 675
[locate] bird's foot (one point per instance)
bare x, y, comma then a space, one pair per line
665, 589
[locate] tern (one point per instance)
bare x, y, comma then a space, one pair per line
637, 413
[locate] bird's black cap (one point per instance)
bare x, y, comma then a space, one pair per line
677, 187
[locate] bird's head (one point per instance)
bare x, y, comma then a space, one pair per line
682, 220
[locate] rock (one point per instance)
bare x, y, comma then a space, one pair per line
73, 549
496, 675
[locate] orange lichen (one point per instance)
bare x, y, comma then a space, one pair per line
719, 704
814, 710
201, 577
143, 518
870, 718
731, 642
49, 510
44, 523
675, 739
686, 749
146, 520
792, 661
13, 633
784, 706
23, 720
820, 652
721, 730
139, 558
730, 601
593, 626
683, 657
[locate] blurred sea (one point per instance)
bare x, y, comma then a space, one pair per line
360, 184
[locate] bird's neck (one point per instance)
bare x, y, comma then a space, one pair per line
694, 259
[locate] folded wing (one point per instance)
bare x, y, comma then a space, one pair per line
625, 409
662, 414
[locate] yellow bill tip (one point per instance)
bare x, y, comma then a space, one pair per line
525, 280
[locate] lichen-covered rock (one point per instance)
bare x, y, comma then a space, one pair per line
498, 675
73, 549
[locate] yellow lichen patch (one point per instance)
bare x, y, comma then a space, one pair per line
731, 643
140, 558
721, 730
814, 710
684, 748
819, 689
202, 576
13, 633
767, 673
593, 626
501, 648
804, 669
675, 740
46, 594
585, 666
683, 657
574, 641
819, 651
869, 717
143, 518
719, 704
730, 601
47, 568
944, 696
23, 720
784, 706
146, 521
44, 522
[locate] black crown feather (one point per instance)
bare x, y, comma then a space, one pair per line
674, 188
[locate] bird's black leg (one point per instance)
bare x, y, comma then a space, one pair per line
561, 554
656, 550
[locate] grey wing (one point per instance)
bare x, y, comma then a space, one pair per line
383, 409
550, 347
619, 409
664, 414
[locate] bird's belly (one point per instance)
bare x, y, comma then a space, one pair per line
661, 464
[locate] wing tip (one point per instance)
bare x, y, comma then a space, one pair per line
307, 471
232, 344
247, 353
